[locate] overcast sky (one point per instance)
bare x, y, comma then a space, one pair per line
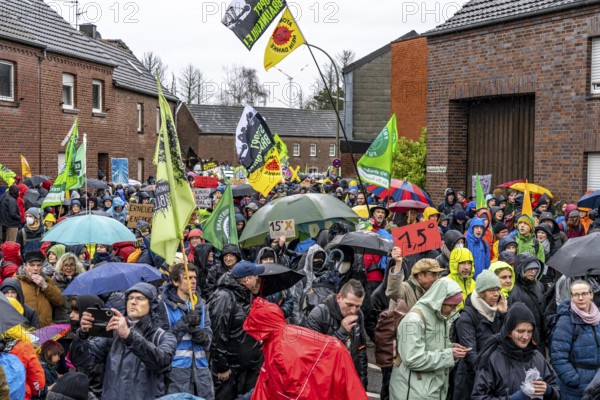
187, 31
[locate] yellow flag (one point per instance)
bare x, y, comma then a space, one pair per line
268, 176
286, 38
527, 209
25, 170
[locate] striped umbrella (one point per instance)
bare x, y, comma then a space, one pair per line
401, 190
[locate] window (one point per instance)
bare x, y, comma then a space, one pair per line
140, 170
68, 91
296, 152
157, 119
313, 149
140, 121
7, 81
332, 150
97, 96
595, 66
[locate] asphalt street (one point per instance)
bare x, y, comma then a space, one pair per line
374, 375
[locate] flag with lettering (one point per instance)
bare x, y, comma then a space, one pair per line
268, 176
67, 178
220, 228
249, 19
253, 139
80, 164
375, 166
286, 38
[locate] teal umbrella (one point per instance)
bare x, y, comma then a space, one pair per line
310, 212
89, 229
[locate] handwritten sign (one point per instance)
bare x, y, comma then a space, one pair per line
203, 199
206, 182
286, 227
140, 212
417, 238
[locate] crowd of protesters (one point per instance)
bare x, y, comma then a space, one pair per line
485, 316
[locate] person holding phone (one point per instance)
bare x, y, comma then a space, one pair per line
507, 356
136, 356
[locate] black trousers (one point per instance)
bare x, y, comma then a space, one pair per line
239, 383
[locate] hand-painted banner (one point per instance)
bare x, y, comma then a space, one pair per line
416, 238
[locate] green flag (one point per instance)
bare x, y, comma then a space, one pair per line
281, 147
375, 166
67, 178
174, 200
220, 228
7, 175
80, 163
479, 196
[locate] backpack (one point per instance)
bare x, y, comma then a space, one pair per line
315, 296
15, 375
472, 316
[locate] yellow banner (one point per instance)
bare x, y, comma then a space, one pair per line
286, 38
268, 176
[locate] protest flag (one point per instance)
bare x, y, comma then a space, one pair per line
67, 178
286, 38
220, 228
80, 164
280, 146
253, 139
375, 166
527, 208
249, 19
479, 196
174, 200
7, 175
266, 178
25, 169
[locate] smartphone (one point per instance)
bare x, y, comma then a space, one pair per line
101, 317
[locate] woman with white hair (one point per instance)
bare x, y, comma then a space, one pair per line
68, 267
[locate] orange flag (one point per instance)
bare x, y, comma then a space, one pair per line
527, 209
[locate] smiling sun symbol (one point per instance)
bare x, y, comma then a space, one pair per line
282, 35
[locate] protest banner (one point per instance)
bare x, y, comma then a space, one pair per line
203, 199
206, 182
286, 227
140, 212
416, 238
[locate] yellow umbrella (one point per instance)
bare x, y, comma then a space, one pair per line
532, 188
362, 210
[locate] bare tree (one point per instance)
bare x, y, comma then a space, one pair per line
243, 86
188, 81
320, 98
153, 63
173, 84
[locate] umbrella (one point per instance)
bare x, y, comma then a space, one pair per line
276, 278
509, 184
404, 205
52, 332
310, 212
32, 198
89, 229
401, 190
35, 180
590, 200
96, 183
578, 256
9, 316
368, 241
532, 188
242, 190
111, 277
362, 210
133, 182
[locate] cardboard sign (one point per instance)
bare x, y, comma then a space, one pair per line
203, 199
417, 238
206, 182
285, 227
238, 181
140, 212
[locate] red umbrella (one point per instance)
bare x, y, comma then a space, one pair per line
509, 184
404, 205
401, 190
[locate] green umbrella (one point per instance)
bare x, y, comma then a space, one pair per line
310, 212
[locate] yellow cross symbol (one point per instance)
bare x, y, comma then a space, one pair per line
295, 176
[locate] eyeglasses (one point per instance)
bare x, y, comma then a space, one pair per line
580, 295
138, 299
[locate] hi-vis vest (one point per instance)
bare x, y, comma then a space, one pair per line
186, 349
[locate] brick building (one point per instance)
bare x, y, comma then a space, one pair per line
514, 91
209, 130
51, 74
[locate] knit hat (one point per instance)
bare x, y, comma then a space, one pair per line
486, 280
546, 216
528, 220
267, 253
144, 288
572, 214
36, 212
195, 233
454, 300
499, 227
72, 385
517, 313
460, 215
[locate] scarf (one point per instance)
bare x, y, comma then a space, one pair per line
483, 308
591, 318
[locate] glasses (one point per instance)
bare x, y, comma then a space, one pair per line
68, 265
580, 295
138, 299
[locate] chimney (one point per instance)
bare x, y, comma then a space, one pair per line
89, 30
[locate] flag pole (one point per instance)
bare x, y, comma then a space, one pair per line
187, 275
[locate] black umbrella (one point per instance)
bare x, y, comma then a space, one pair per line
9, 316
369, 242
96, 183
578, 256
242, 190
35, 180
32, 198
276, 278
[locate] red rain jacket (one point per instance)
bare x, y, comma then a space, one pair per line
300, 363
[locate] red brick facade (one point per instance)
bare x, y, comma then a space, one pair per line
547, 56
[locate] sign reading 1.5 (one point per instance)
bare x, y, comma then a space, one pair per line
285, 227
417, 238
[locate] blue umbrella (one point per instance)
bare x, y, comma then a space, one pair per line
590, 200
111, 277
89, 229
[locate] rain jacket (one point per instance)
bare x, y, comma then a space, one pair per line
499, 266
29, 313
7, 270
189, 368
201, 253
284, 299
410, 290
40, 300
136, 365
10, 216
467, 285
232, 348
218, 270
327, 319
58, 250
299, 363
35, 377
30, 240
451, 237
575, 359
528, 244
121, 215
479, 247
425, 348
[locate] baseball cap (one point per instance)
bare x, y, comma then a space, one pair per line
246, 268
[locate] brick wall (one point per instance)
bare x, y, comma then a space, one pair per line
548, 56
409, 86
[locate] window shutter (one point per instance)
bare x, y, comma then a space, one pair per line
593, 180
595, 66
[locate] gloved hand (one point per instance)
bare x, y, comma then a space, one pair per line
192, 318
199, 336
180, 328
